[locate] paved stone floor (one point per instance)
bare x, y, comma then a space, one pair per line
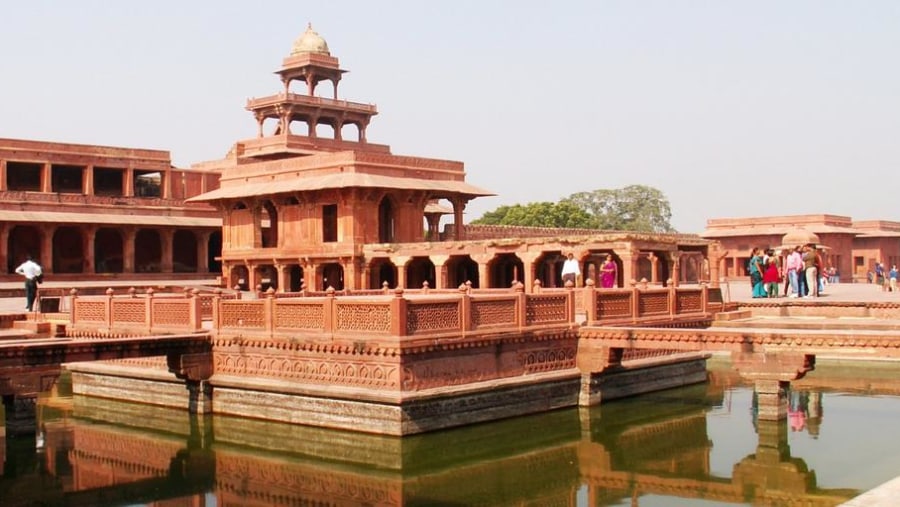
739, 290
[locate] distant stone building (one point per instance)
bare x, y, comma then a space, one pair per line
91, 212
852, 248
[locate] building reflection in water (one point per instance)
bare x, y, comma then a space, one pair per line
98, 452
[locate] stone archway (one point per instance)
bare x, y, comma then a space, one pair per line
418, 271
240, 277
332, 276
184, 252
386, 218
268, 225
147, 251
68, 250
109, 251
295, 277
23, 240
460, 270
506, 269
380, 271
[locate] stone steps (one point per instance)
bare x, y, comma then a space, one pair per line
811, 323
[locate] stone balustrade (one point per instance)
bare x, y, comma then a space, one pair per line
643, 305
134, 314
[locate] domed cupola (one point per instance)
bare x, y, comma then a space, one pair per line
310, 42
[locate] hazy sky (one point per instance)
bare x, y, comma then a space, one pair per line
729, 108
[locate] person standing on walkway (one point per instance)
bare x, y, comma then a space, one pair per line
755, 269
571, 269
893, 275
608, 273
793, 266
31, 271
812, 274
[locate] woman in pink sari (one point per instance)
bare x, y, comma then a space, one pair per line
608, 273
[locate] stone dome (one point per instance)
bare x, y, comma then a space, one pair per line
799, 237
310, 42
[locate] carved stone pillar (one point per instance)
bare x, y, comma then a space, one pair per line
772, 373
46, 255
401, 262
440, 271
166, 237
87, 180
4, 251
87, 240
675, 267
46, 178
128, 183
483, 270
654, 267
629, 267
459, 205
281, 275
3, 185
128, 250
529, 265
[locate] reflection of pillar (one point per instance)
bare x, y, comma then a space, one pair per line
128, 251
166, 245
772, 399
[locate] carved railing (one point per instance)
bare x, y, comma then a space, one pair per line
134, 314
644, 305
396, 314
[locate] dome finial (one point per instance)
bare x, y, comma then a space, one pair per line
310, 42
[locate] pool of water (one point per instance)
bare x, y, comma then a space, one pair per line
700, 445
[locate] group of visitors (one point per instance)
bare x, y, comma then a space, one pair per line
887, 280
608, 271
800, 269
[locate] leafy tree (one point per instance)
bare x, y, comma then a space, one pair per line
539, 214
633, 208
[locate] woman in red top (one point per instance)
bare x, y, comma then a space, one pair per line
770, 277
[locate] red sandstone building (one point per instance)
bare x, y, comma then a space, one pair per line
92, 212
851, 247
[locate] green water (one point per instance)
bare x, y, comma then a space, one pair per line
699, 445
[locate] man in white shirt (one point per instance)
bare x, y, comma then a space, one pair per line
31, 271
571, 269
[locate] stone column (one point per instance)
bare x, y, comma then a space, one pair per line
654, 267
87, 180
166, 244
675, 267
203, 252
530, 268
440, 271
401, 262
4, 243
46, 178
311, 275
483, 261
281, 277
128, 182
46, 254
3, 185
459, 205
629, 270
90, 232
128, 250
166, 183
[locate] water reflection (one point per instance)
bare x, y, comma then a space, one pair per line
635, 452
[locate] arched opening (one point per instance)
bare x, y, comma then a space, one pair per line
295, 277
418, 271
505, 269
184, 252
214, 250
380, 271
644, 269
23, 240
268, 225
266, 277
68, 250
462, 269
147, 251
240, 277
548, 267
109, 251
386, 221
332, 276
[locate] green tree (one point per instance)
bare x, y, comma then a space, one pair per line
539, 214
632, 208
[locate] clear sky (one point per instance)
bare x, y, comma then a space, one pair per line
730, 108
